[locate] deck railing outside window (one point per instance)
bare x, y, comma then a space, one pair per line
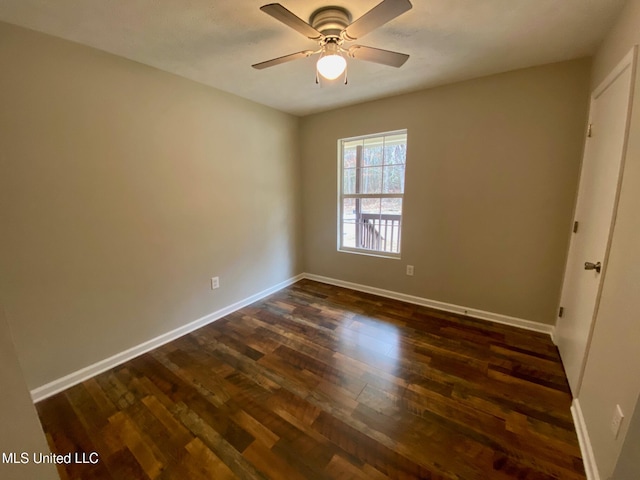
378, 232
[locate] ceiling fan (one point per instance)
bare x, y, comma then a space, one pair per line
332, 27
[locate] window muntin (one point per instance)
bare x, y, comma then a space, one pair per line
371, 186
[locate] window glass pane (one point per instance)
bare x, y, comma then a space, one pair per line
368, 236
393, 181
349, 210
349, 235
390, 223
370, 206
373, 152
371, 181
349, 179
395, 154
391, 206
349, 156
348, 223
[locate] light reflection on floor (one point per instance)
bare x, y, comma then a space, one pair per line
376, 342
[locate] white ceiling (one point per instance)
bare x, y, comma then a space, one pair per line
215, 42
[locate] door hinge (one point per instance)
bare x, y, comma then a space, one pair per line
561, 312
589, 130
575, 226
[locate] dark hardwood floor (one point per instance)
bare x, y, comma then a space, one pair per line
321, 382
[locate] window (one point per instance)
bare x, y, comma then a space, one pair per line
371, 192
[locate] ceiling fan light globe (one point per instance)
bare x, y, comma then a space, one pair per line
331, 66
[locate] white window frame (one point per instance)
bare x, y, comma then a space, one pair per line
342, 196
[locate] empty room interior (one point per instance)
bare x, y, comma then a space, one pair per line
220, 260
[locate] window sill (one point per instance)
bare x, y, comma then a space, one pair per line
371, 253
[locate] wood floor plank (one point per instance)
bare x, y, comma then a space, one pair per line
321, 382
205, 464
69, 436
122, 464
146, 452
217, 444
340, 468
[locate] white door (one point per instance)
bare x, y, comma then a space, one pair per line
595, 213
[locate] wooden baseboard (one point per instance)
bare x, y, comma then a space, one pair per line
56, 386
447, 307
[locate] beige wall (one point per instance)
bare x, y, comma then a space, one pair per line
492, 173
123, 189
612, 371
21, 430
624, 34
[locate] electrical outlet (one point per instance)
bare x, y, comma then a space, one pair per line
410, 270
215, 283
616, 421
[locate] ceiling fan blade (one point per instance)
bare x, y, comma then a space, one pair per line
287, 58
377, 55
382, 13
280, 13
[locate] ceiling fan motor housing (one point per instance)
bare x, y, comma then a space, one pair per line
330, 21
332, 26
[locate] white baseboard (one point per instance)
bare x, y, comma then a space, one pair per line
51, 388
447, 307
586, 449
56, 386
